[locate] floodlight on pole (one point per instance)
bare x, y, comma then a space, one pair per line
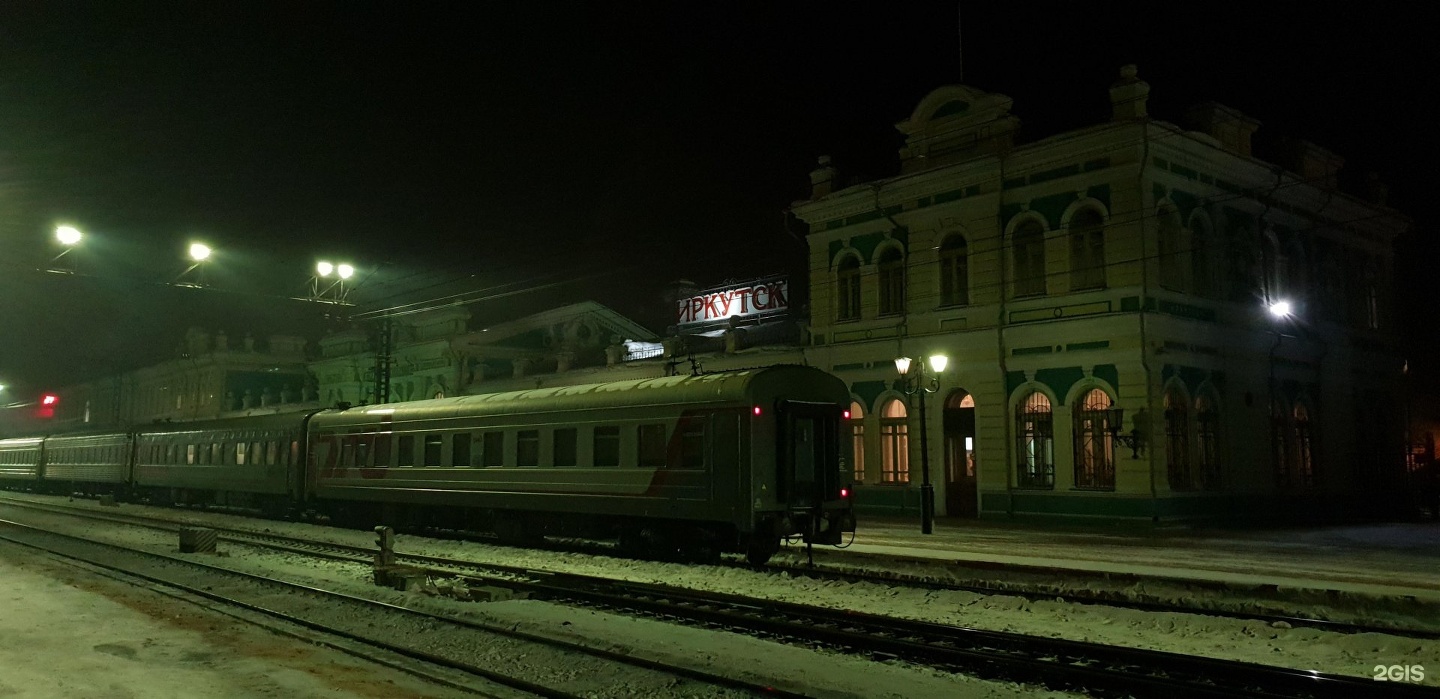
199, 252
345, 271
1280, 309
323, 268
68, 235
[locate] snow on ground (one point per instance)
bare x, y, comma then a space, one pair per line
822, 674
1193, 634
71, 634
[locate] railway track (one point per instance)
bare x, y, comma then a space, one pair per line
428, 659
1056, 663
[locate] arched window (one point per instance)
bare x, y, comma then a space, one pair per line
1094, 446
954, 272
1028, 245
857, 439
847, 282
1087, 250
1202, 279
1035, 443
892, 283
1177, 441
894, 443
1207, 433
1304, 463
1172, 272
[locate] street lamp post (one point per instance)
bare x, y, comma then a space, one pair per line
914, 384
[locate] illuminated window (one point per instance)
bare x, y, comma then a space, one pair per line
847, 282
241, 451
894, 443
1035, 442
1304, 459
1177, 441
857, 439
1207, 428
954, 272
892, 282
1087, 250
1028, 248
1094, 447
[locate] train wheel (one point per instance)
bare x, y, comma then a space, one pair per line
759, 551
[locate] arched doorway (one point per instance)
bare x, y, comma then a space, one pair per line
961, 499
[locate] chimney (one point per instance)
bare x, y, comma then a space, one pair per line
1128, 96
1311, 162
1231, 128
822, 179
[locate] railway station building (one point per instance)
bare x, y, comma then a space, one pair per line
1104, 297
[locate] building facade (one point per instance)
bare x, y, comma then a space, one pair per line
1103, 297
208, 378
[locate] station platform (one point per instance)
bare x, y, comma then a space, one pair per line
1391, 560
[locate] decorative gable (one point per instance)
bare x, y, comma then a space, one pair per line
955, 123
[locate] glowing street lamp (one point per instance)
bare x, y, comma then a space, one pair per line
199, 252
68, 236
913, 383
1280, 308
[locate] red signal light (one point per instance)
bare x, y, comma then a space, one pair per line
846, 414
49, 399
757, 410
844, 493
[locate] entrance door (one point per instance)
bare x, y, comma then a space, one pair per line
960, 495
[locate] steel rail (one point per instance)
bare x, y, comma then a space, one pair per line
499, 678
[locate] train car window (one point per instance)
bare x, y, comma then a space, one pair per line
564, 446
460, 449
242, 449
691, 444
434, 443
256, 452
347, 451
407, 450
362, 450
527, 448
382, 450
294, 453
492, 450
652, 446
217, 455
607, 446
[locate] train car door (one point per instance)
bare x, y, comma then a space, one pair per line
960, 483
808, 458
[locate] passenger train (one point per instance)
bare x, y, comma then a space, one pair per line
732, 461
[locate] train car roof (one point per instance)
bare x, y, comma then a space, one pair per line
277, 421
719, 387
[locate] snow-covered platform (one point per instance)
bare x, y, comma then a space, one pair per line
1381, 560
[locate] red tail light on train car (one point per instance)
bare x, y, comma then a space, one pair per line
757, 410
844, 493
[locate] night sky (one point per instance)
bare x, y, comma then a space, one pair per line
571, 152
